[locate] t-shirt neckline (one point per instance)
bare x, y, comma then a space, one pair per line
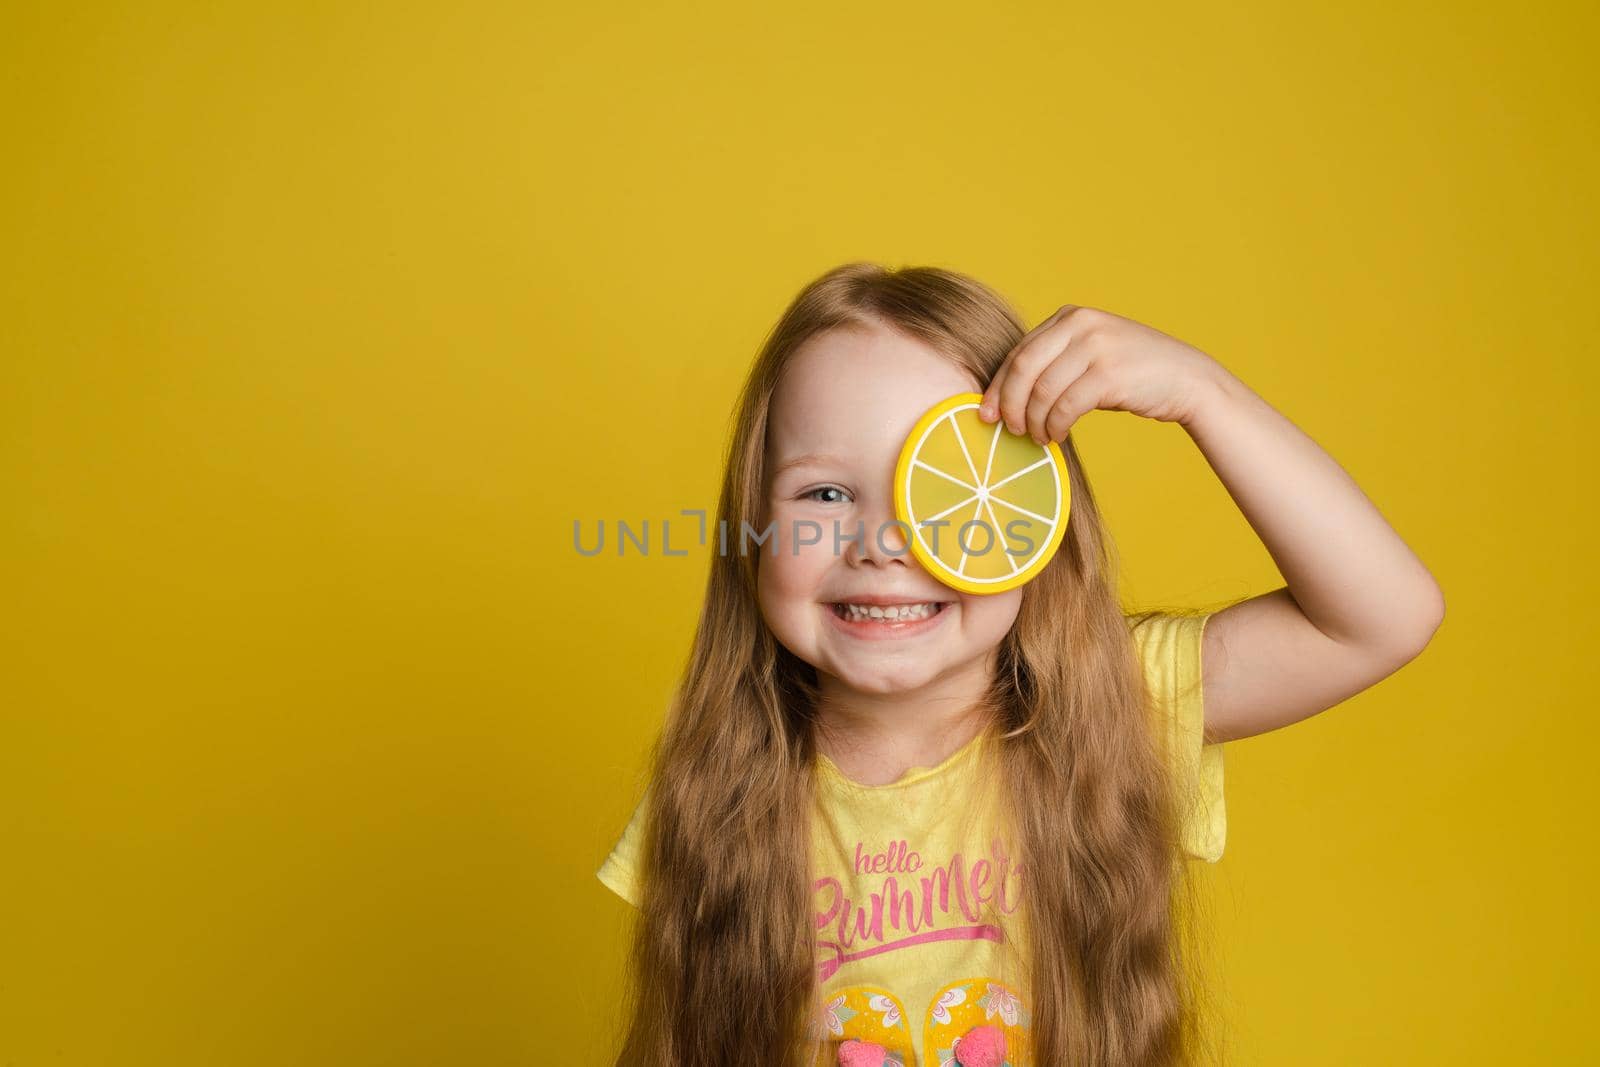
912, 775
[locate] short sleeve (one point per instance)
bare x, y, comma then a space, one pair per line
1169, 648
620, 870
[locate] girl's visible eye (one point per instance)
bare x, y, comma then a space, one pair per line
811, 494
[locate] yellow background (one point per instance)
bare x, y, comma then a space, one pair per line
321, 323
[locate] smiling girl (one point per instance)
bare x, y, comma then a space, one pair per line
894, 823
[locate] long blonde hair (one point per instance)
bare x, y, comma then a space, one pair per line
722, 965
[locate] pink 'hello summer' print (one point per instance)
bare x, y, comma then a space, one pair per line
908, 907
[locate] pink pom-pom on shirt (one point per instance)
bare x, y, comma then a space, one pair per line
854, 1053
983, 1046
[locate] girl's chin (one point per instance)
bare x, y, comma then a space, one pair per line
878, 684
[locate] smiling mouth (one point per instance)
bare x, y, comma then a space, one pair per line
889, 614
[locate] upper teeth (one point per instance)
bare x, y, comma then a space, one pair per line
893, 611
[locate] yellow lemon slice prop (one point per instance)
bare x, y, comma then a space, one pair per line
987, 507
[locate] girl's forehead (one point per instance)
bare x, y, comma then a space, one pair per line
860, 379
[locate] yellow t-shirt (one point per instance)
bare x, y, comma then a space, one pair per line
913, 888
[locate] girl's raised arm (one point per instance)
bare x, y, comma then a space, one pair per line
1358, 605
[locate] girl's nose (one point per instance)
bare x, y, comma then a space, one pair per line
882, 539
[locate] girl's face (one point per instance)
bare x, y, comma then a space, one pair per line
839, 416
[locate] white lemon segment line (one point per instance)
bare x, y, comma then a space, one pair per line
994, 439
1025, 511
962, 441
949, 477
977, 516
948, 510
996, 520
1032, 466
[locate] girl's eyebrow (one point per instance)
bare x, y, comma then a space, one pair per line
809, 457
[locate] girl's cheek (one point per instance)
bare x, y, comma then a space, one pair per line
991, 616
796, 544
788, 570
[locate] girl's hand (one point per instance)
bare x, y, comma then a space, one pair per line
1082, 358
